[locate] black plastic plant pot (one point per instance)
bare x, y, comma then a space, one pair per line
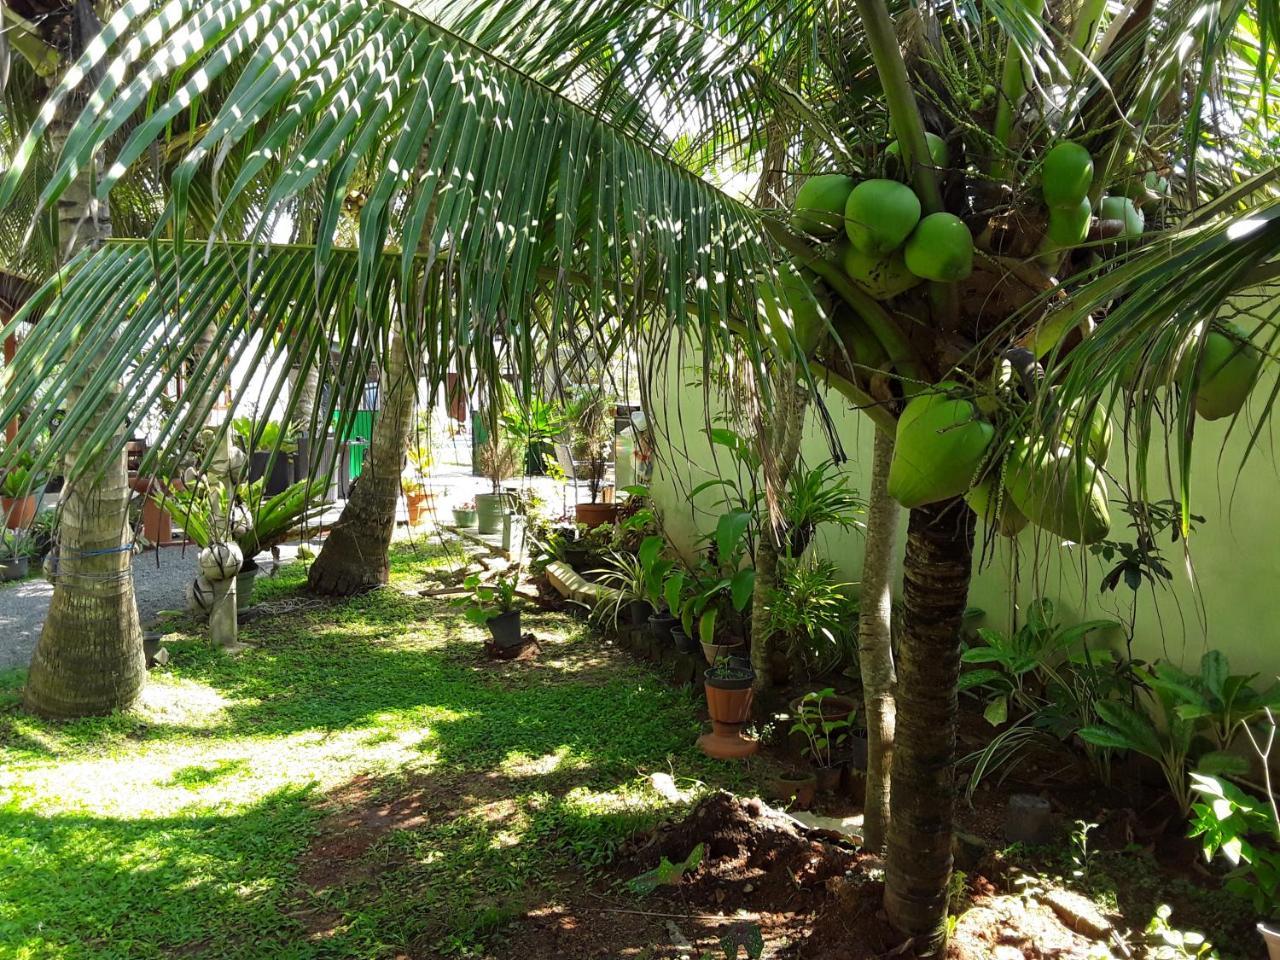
729, 677
638, 612
684, 643
661, 625
505, 629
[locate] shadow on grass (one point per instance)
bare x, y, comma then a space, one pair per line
396, 664
152, 887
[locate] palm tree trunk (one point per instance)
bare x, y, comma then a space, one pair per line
875, 642
354, 557
937, 568
88, 660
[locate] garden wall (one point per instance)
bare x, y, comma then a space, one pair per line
1231, 601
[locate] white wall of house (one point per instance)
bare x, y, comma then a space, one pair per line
1229, 599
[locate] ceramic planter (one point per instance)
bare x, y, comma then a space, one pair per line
15, 569
595, 514
714, 651
1271, 934
489, 510
416, 506
827, 778
19, 512
505, 629
244, 586
513, 526
729, 703
638, 613
797, 789
684, 643
464, 518
661, 624
157, 523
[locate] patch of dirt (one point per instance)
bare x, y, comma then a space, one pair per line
752, 853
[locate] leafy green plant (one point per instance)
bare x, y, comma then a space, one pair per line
16, 545
1166, 942
1014, 669
1166, 739
823, 736
264, 436
418, 460
817, 496
1222, 702
1243, 829
625, 575
532, 426
700, 594
812, 619
21, 478
666, 873
487, 601
266, 522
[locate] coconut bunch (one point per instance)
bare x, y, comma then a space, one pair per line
949, 440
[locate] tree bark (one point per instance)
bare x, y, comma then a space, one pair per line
305, 388
354, 557
89, 660
937, 569
875, 643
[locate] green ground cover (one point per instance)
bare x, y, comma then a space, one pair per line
203, 822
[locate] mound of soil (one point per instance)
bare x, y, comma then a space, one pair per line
752, 853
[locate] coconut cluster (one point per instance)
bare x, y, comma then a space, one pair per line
945, 446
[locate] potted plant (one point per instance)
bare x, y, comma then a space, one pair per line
20, 489
464, 514
796, 787
729, 690
655, 568
497, 458
495, 606
532, 428
414, 482
699, 595
591, 452
15, 555
271, 443
823, 737
624, 575
258, 522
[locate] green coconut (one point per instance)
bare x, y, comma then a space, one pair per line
1059, 490
820, 204
1066, 174
940, 446
1100, 431
882, 277
1069, 225
940, 248
939, 153
1123, 209
1010, 521
1227, 374
800, 310
880, 215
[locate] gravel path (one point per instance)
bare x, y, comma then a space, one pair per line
159, 584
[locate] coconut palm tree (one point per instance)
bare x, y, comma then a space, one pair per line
519, 169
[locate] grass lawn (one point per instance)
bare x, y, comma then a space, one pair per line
362, 784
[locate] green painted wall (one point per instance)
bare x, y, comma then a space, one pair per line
1229, 601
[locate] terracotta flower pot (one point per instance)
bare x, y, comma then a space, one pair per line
713, 651
833, 708
19, 512
595, 514
828, 778
798, 789
1271, 934
157, 523
416, 504
729, 703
